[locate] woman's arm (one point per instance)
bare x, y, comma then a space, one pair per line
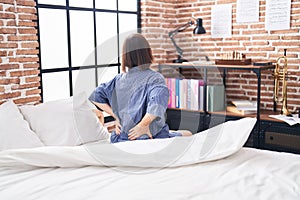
106, 108
100, 115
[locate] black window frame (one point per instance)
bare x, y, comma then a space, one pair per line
96, 66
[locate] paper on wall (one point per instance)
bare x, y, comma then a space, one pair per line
278, 14
247, 11
221, 21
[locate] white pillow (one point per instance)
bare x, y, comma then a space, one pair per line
14, 130
67, 122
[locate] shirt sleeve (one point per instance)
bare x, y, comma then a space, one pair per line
158, 98
103, 93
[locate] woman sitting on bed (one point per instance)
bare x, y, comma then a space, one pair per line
136, 98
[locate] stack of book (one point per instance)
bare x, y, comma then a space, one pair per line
185, 93
242, 107
189, 94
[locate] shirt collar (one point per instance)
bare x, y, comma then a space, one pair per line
134, 69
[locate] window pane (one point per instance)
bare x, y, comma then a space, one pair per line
127, 25
106, 4
107, 42
53, 2
82, 38
81, 3
84, 81
128, 5
105, 74
53, 38
55, 86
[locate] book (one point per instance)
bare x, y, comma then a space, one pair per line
245, 105
168, 83
194, 94
183, 93
201, 94
234, 109
189, 94
177, 86
215, 98
173, 93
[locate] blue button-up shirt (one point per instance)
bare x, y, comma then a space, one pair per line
133, 94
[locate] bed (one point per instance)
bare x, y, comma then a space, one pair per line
212, 164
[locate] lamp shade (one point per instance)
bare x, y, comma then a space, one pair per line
199, 28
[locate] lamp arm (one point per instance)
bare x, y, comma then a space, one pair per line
180, 29
177, 30
178, 49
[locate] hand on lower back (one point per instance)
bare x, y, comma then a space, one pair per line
138, 131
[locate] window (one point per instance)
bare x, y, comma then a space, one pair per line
80, 43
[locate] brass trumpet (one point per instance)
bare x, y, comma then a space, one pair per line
280, 76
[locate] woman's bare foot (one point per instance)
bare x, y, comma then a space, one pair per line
185, 132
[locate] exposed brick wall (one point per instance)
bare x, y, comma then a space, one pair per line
158, 18
249, 38
19, 60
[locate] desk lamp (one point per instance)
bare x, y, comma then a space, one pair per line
197, 30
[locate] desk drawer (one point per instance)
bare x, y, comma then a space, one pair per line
282, 140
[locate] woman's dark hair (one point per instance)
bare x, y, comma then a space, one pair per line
136, 52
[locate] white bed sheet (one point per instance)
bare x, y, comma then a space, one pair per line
212, 144
247, 174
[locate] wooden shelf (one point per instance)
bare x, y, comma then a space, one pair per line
264, 114
210, 66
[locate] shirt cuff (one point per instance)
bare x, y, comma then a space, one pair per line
156, 110
96, 98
